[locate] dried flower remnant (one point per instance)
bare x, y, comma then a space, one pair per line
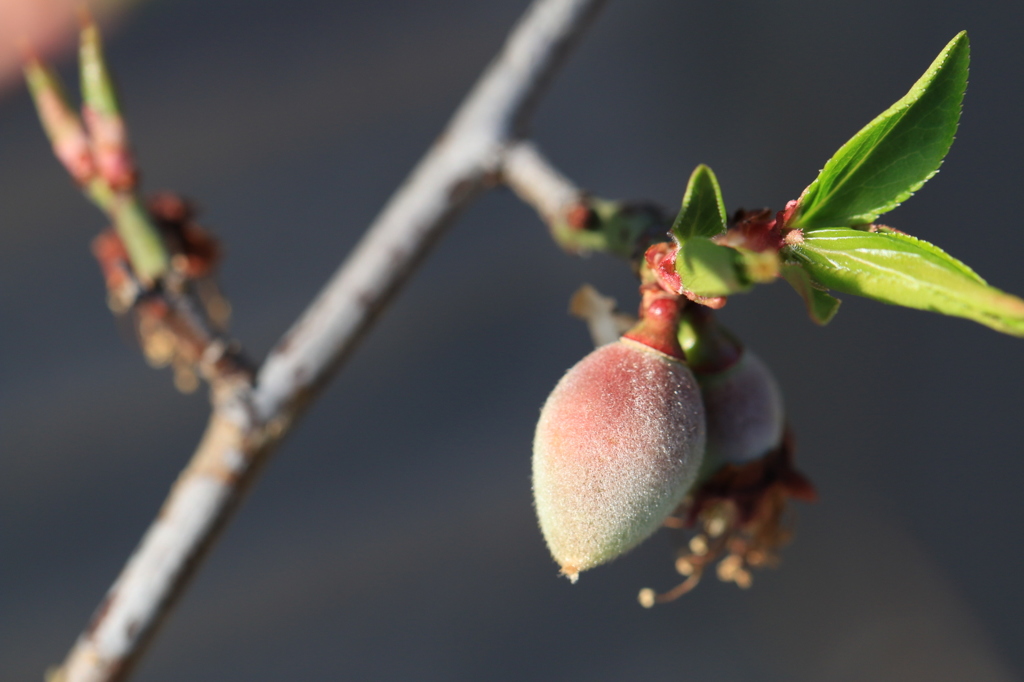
604, 322
739, 506
172, 328
740, 520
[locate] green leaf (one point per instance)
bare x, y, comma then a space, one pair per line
759, 267
891, 157
703, 211
902, 270
821, 305
707, 269
55, 112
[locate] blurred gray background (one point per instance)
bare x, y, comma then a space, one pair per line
393, 538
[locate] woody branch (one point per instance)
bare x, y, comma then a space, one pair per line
251, 416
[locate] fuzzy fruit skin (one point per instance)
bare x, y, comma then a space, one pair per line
617, 447
745, 413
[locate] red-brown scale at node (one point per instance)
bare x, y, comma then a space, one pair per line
196, 252
581, 217
661, 260
109, 251
659, 322
754, 231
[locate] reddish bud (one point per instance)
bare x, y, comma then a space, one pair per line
62, 125
617, 447
581, 217
110, 148
661, 259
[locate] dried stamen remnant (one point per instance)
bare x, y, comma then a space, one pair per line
179, 322
740, 520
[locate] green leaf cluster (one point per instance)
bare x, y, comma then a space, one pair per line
877, 169
829, 236
103, 124
705, 268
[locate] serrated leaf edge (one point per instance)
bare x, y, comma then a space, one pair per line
899, 108
702, 170
991, 319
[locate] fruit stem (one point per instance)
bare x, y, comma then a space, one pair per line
710, 348
659, 322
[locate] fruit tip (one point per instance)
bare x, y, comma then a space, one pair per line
27, 51
572, 573
86, 21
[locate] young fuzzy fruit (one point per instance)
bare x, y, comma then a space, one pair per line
742, 401
618, 445
745, 417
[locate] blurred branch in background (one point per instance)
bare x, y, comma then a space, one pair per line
250, 418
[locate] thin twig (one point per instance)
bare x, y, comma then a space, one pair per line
539, 184
581, 223
249, 420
